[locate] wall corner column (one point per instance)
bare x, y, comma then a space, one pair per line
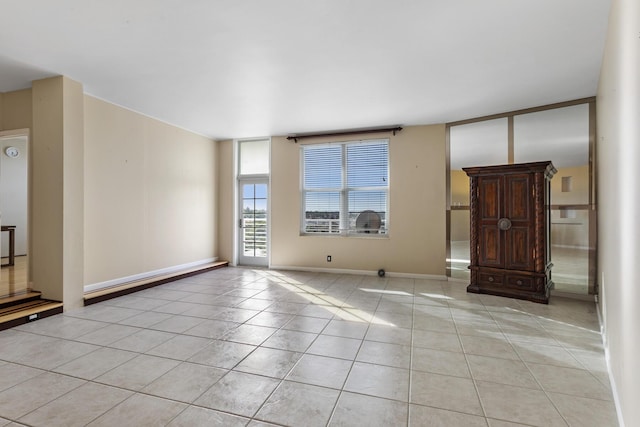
57, 199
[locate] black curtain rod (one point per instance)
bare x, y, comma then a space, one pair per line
296, 137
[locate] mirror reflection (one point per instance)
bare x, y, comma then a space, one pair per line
475, 144
560, 135
14, 217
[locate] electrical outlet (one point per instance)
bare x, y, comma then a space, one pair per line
328, 258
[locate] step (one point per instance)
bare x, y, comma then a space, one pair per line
18, 298
26, 312
138, 285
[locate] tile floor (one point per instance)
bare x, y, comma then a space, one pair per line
570, 271
236, 347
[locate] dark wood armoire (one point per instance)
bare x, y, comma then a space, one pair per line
510, 230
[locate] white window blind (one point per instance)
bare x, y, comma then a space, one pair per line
345, 188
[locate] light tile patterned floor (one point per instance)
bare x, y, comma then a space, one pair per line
570, 266
240, 346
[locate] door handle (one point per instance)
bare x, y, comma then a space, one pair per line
504, 224
240, 223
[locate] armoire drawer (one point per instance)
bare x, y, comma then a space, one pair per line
520, 282
490, 279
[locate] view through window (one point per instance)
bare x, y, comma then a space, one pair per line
345, 188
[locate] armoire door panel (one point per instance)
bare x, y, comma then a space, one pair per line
491, 250
518, 197
490, 190
519, 249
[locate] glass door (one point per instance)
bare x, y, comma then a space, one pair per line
253, 222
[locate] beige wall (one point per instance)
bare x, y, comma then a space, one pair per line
416, 242
459, 188
72, 197
579, 194
113, 193
460, 219
46, 209
150, 194
56, 251
16, 110
618, 157
225, 190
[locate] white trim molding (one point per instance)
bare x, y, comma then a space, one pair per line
360, 272
142, 276
607, 358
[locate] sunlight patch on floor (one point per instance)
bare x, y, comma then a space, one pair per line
331, 304
554, 321
436, 296
386, 292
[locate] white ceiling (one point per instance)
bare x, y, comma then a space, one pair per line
245, 68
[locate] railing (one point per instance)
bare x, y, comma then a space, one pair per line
322, 225
254, 231
254, 236
332, 226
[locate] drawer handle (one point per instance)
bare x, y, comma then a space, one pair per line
519, 282
491, 279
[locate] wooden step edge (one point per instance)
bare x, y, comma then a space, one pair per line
150, 282
21, 306
19, 297
50, 308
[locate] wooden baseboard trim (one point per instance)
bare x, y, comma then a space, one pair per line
23, 313
139, 285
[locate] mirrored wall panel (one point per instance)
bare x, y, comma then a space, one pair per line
474, 144
562, 136
14, 195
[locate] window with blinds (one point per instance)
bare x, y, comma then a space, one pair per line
345, 188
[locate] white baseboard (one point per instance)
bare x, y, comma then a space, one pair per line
584, 248
573, 295
612, 381
141, 276
358, 272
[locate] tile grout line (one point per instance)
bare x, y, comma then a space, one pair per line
494, 314
353, 362
473, 380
